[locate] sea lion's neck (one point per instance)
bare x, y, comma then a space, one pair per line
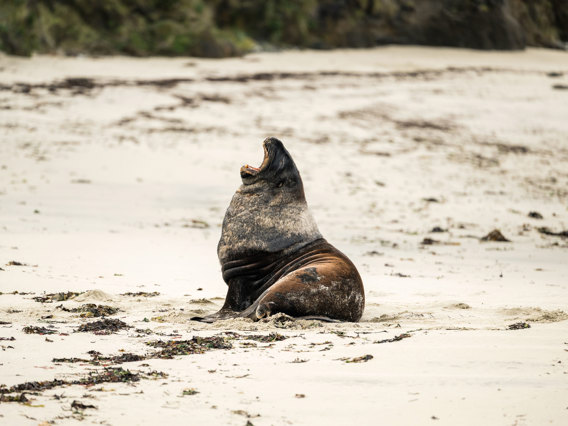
264, 224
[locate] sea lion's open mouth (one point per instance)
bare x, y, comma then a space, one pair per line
248, 171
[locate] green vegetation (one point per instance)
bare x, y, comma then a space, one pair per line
132, 27
220, 28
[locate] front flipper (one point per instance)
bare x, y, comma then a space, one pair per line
257, 310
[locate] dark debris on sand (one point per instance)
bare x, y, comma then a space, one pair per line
518, 326
21, 293
97, 358
85, 85
167, 350
32, 329
56, 297
104, 326
429, 242
363, 358
90, 310
268, 338
78, 405
21, 398
546, 231
196, 345
438, 229
535, 215
170, 348
16, 263
496, 236
395, 339
108, 375
141, 294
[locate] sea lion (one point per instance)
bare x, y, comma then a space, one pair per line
272, 255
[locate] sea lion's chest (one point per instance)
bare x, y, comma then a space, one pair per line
258, 223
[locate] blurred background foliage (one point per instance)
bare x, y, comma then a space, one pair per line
220, 28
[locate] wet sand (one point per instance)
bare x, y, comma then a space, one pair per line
114, 177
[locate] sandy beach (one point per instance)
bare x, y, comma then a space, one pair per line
115, 174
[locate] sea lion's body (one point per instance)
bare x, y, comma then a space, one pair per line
272, 255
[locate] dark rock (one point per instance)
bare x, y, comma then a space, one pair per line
560, 9
474, 24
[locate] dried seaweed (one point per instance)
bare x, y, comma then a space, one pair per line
56, 297
14, 398
546, 231
97, 358
272, 337
535, 215
104, 326
141, 294
518, 326
108, 375
395, 339
16, 263
91, 310
197, 345
363, 358
438, 229
32, 329
167, 350
78, 405
429, 241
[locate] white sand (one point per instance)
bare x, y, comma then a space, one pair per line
107, 191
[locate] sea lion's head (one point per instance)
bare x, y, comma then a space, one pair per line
277, 173
268, 213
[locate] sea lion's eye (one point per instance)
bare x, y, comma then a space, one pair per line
280, 184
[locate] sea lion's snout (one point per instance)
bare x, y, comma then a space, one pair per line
250, 173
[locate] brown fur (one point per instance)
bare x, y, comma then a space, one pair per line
328, 285
272, 254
